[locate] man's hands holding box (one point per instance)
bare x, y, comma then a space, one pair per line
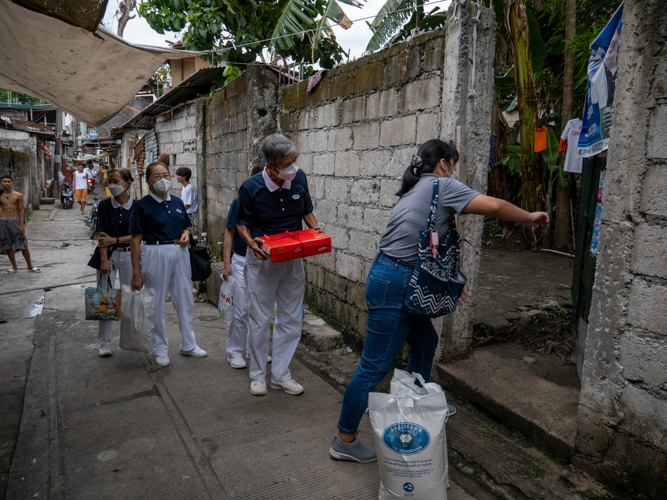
294, 245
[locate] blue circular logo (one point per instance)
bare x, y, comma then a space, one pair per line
408, 487
406, 438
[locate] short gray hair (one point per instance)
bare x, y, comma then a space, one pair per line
277, 146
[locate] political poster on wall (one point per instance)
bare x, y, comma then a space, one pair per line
602, 69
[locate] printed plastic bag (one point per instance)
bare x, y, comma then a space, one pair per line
103, 303
226, 300
138, 320
410, 440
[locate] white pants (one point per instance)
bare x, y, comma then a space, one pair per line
237, 337
167, 268
123, 264
283, 283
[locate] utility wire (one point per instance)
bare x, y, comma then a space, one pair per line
236, 46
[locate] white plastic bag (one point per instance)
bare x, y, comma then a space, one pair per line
137, 320
410, 439
226, 300
402, 382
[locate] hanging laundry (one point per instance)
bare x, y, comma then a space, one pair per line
562, 146
315, 79
540, 139
570, 136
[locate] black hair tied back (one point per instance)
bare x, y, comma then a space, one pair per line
424, 162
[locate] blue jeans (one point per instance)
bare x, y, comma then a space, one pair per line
390, 324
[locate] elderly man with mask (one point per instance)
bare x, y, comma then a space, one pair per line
272, 203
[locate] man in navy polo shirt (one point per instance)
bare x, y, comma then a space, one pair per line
235, 253
271, 203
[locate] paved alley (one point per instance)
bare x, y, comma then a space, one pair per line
101, 428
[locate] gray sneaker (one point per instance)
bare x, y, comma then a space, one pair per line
356, 451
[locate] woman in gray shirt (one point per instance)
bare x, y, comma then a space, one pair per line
390, 324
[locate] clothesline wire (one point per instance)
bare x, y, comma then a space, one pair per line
236, 46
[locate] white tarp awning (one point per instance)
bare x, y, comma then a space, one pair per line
91, 75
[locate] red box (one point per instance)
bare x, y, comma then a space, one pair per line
296, 245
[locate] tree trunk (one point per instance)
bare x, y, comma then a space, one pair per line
562, 232
568, 76
524, 79
562, 236
125, 9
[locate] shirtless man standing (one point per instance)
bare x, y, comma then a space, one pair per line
12, 225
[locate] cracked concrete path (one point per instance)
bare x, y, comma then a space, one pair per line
103, 428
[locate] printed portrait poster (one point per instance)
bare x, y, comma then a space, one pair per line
602, 69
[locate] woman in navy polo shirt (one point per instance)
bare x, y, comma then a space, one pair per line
272, 203
163, 262
113, 250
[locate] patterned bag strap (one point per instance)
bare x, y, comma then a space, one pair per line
434, 205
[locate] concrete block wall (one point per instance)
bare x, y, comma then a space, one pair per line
623, 407
234, 123
17, 152
177, 136
356, 133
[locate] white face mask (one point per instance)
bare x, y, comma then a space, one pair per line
116, 189
454, 175
289, 173
162, 186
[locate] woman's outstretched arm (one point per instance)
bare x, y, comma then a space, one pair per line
500, 209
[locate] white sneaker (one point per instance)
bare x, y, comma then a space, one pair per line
162, 360
289, 386
237, 362
258, 387
105, 351
247, 356
197, 352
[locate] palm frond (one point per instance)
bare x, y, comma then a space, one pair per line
391, 17
295, 16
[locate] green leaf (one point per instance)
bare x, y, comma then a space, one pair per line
550, 154
291, 19
391, 17
538, 48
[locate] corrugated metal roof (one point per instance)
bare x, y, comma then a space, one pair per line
196, 84
39, 107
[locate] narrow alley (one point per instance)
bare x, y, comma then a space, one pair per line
110, 428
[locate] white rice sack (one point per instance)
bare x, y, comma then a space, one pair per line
410, 444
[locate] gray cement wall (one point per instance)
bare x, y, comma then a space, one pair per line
18, 158
176, 133
622, 419
355, 135
235, 122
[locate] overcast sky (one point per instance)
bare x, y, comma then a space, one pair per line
354, 39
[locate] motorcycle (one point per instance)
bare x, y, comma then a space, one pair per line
91, 219
66, 195
91, 186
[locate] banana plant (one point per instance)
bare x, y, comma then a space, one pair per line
297, 16
397, 18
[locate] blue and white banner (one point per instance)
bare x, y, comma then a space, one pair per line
602, 69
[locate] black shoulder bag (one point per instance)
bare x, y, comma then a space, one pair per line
437, 282
200, 262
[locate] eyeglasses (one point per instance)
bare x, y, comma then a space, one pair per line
158, 176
